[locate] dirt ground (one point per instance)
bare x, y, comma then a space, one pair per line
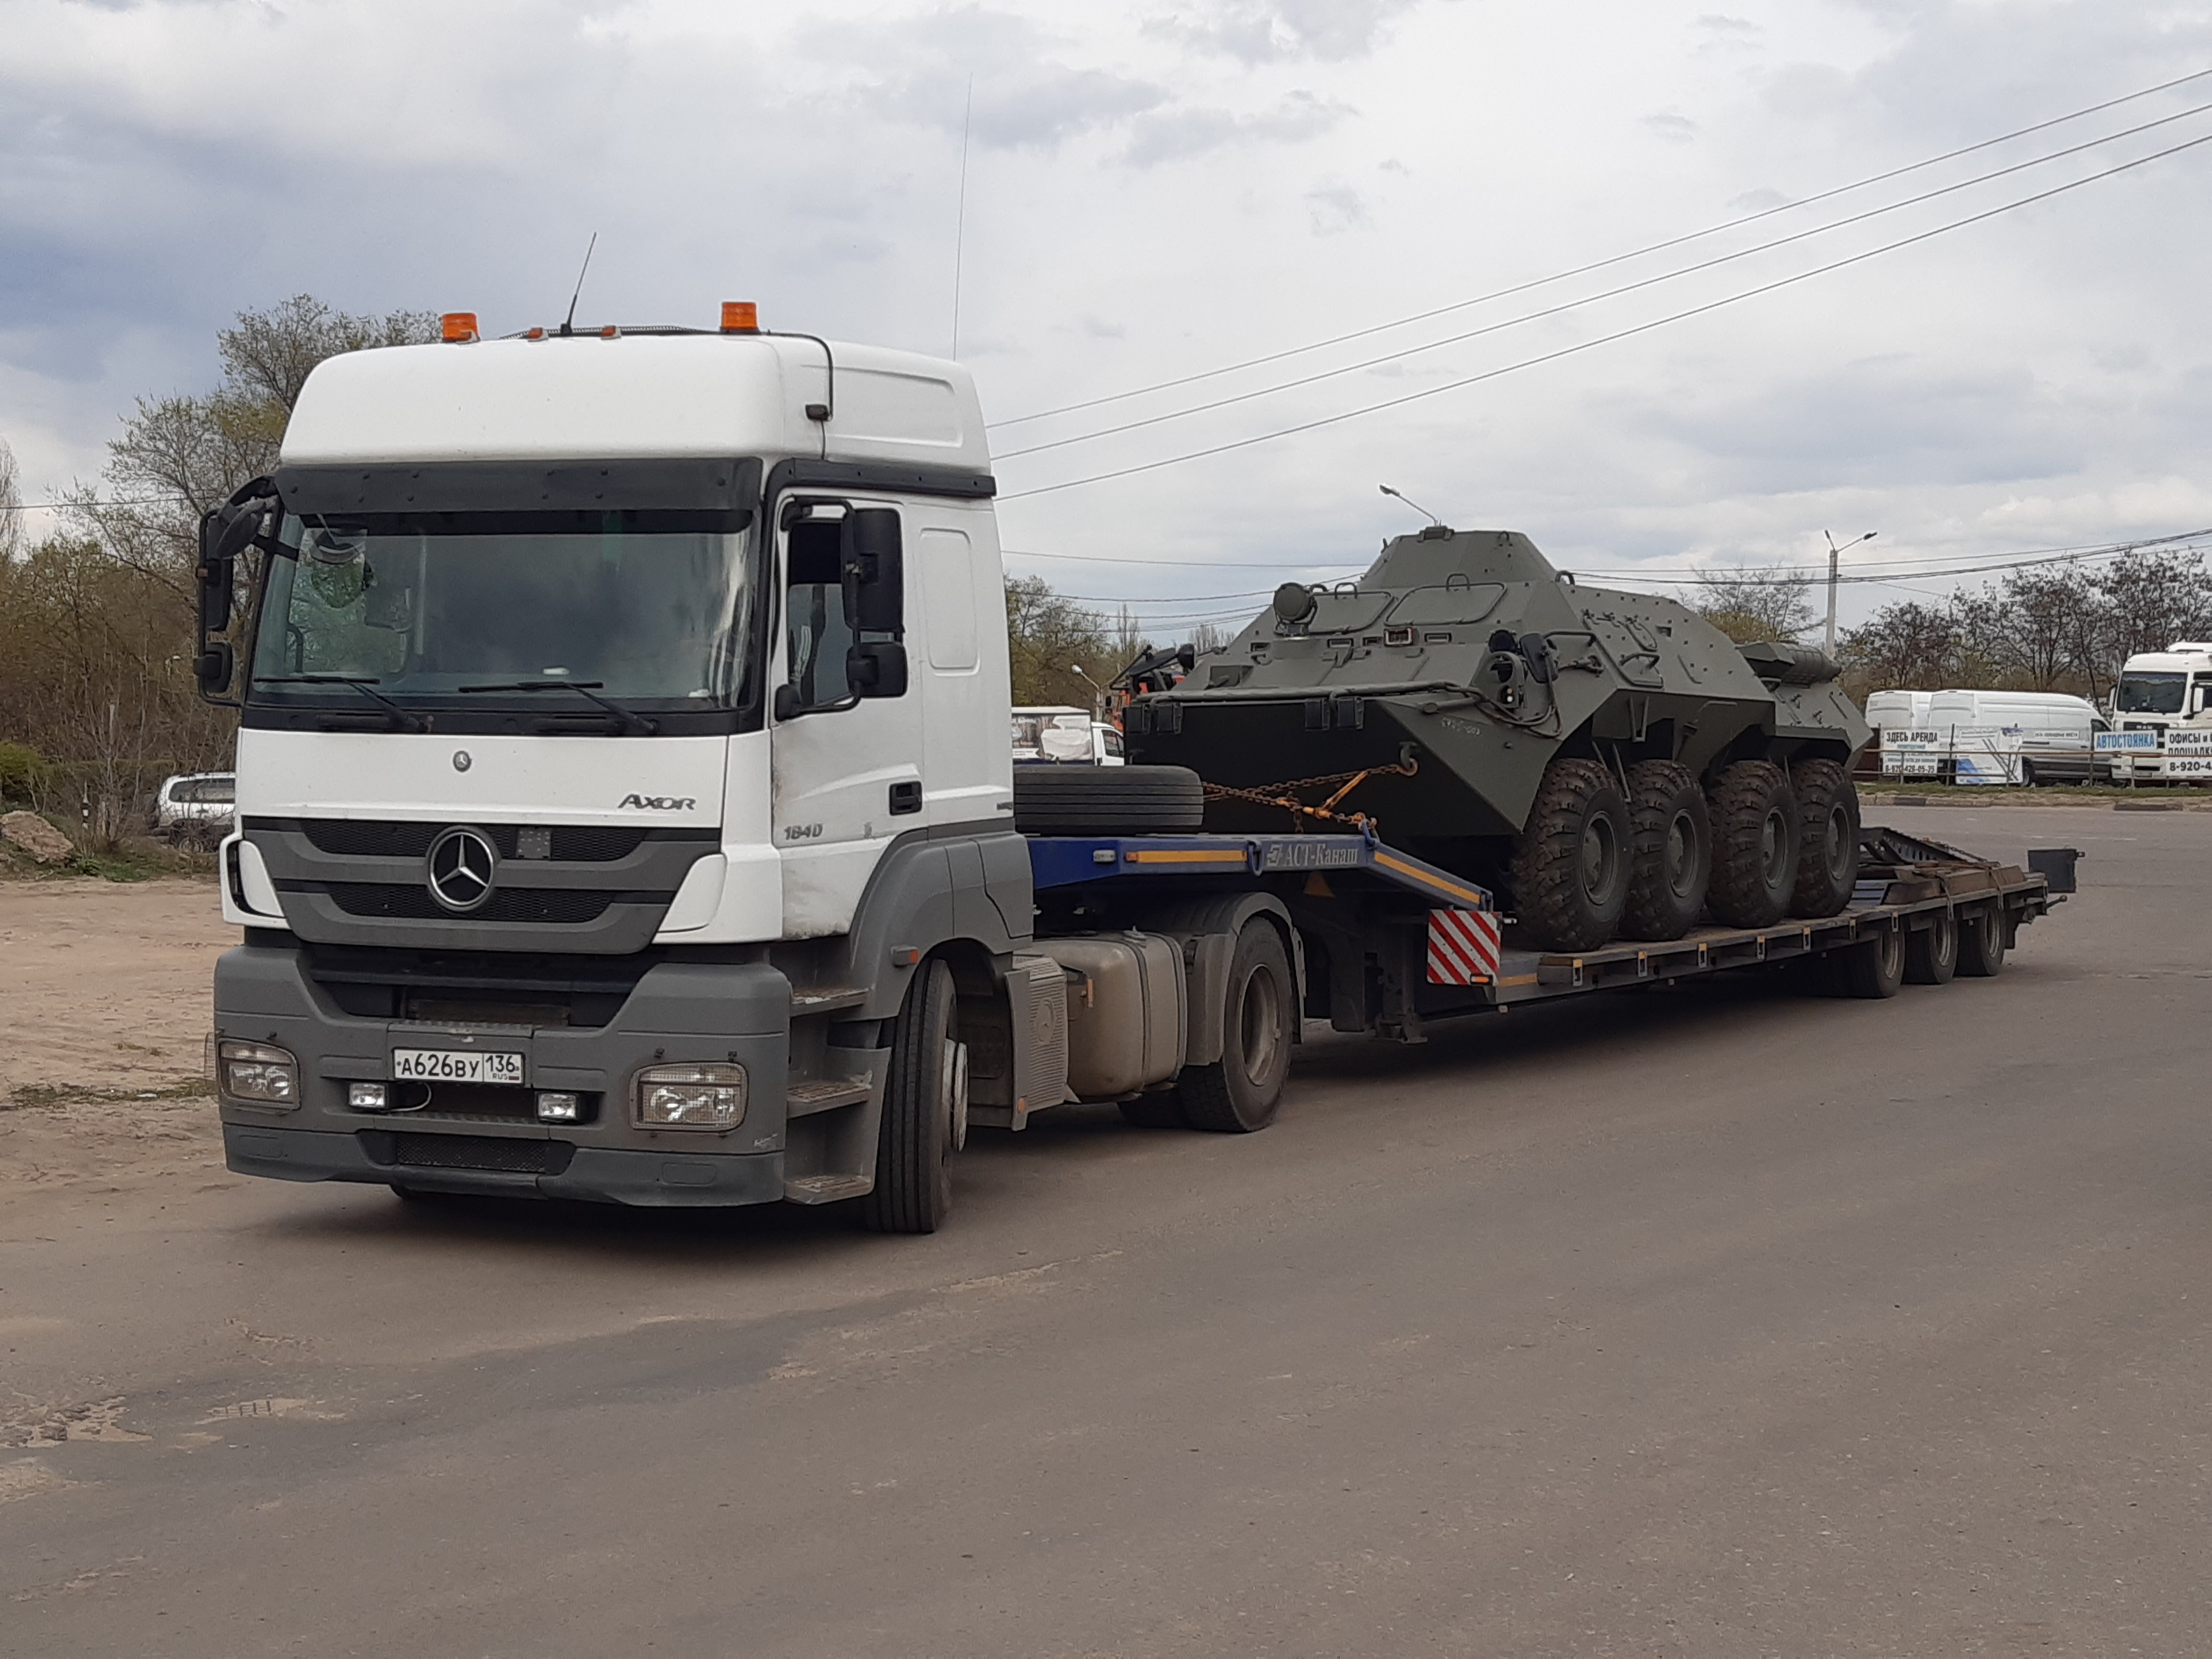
105, 988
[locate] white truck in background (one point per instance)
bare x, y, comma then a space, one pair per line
625, 810
2162, 717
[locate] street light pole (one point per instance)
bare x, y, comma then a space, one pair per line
1833, 551
1097, 695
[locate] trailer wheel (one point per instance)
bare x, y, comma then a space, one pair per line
1754, 845
1931, 953
1827, 838
1571, 868
1671, 851
1982, 943
913, 1143
1875, 968
1241, 1091
1069, 800
1157, 1108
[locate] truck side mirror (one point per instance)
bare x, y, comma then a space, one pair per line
877, 668
213, 667
217, 576
870, 561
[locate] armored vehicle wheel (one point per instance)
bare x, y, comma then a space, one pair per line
1241, 1091
1067, 800
1159, 1109
1931, 953
1874, 968
1827, 838
1670, 851
1982, 943
1754, 845
914, 1179
1571, 868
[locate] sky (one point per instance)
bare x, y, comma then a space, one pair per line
1090, 200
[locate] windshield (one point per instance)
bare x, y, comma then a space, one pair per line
647, 607
2150, 693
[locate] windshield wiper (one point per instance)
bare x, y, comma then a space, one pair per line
408, 719
630, 719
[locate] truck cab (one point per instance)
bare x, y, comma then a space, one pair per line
621, 743
2162, 716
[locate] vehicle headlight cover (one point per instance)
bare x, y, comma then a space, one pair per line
256, 1071
711, 1097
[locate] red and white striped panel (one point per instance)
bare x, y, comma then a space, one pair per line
1462, 947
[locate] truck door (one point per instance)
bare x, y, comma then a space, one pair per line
847, 738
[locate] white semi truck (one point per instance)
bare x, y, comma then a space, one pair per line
2162, 716
625, 810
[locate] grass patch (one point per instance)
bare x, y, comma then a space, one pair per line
62, 1096
138, 859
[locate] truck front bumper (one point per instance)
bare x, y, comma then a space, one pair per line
600, 1174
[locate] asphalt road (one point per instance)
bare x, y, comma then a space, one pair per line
1709, 1321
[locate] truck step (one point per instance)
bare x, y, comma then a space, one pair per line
825, 999
824, 1094
828, 1188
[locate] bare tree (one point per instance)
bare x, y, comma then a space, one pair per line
1903, 646
11, 504
1755, 603
1046, 634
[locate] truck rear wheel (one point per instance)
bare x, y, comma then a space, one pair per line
1241, 1091
1671, 851
1931, 953
913, 1143
1827, 838
1874, 970
1571, 868
1982, 943
1754, 845
1054, 799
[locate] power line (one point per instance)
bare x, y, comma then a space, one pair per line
1601, 264
1607, 339
1594, 298
57, 507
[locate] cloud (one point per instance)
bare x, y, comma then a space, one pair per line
1179, 135
1274, 31
1336, 209
1675, 129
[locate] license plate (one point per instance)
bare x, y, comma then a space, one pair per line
455, 1066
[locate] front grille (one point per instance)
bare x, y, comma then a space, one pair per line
423, 1152
363, 838
407, 902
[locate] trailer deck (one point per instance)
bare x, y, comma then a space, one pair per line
1405, 942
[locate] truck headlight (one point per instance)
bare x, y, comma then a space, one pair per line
688, 1096
256, 1071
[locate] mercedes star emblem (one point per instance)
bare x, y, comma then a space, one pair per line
461, 865
461, 761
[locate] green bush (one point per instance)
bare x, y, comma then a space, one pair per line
22, 770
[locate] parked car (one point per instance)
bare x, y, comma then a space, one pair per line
196, 804
1066, 733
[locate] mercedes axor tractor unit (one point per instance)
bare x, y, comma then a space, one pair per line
625, 810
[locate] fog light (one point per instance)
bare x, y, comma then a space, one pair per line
690, 1096
558, 1106
256, 1071
368, 1097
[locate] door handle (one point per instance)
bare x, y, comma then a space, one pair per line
906, 797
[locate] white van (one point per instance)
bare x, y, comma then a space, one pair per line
2012, 737
1902, 738
1060, 732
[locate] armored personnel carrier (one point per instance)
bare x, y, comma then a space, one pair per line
1610, 763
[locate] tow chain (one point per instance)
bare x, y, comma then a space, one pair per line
1276, 794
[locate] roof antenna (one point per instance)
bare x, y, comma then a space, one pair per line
1415, 505
568, 322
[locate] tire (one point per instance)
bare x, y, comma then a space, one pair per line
913, 1143
1570, 867
1159, 1109
1754, 845
1240, 1092
1827, 838
2027, 772
1931, 953
1874, 970
1982, 943
1070, 800
1670, 851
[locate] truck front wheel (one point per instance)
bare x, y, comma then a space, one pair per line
1241, 1091
914, 1145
